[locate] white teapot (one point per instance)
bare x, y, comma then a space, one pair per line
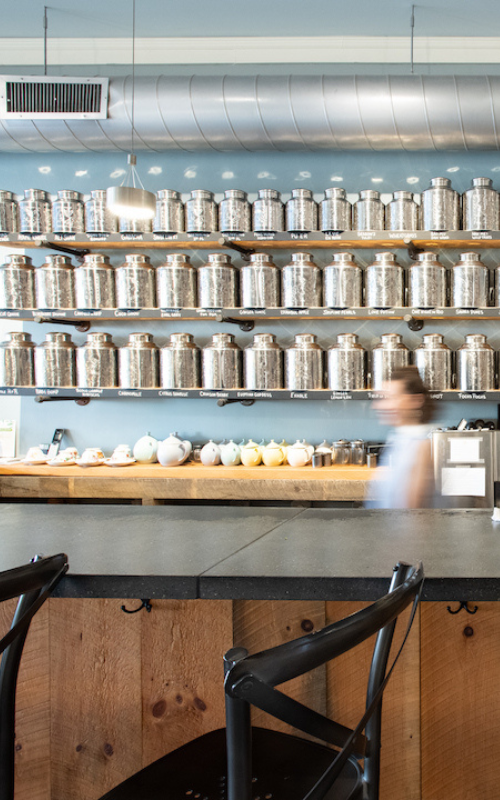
172, 452
145, 449
273, 455
230, 454
210, 454
299, 454
251, 454
323, 448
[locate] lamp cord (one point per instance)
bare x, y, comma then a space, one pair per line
133, 72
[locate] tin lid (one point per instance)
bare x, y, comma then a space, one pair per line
181, 339
385, 258
391, 340
344, 258
303, 258
168, 194
433, 340
261, 258
201, 194
264, 341
5, 196
347, 340
440, 183
235, 194
479, 340
369, 194
428, 257
303, 194
18, 339
141, 340
36, 194
69, 194
15, 260
137, 259
402, 195
100, 338
56, 339
97, 194
177, 259
269, 194
335, 193
470, 258
306, 341
96, 259
219, 258
486, 183
57, 262
224, 340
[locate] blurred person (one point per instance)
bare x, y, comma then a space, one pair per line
406, 477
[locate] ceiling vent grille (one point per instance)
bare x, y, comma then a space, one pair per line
53, 98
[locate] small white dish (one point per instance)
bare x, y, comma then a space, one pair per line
34, 462
59, 462
114, 462
81, 462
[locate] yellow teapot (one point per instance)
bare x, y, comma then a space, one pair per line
251, 454
273, 455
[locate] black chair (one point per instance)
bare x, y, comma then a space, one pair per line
261, 764
32, 583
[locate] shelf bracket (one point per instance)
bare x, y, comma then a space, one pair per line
413, 324
225, 401
413, 250
77, 252
464, 604
81, 325
245, 252
80, 401
245, 325
146, 603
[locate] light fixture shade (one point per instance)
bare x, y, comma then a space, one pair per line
130, 202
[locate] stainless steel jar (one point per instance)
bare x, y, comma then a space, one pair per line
384, 282
304, 364
54, 281
358, 452
440, 209
341, 452
35, 212
135, 282
221, 363
17, 282
481, 206
427, 282
433, 361
475, 364
55, 361
235, 212
176, 282
169, 216
301, 282
335, 211
263, 363
135, 225
402, 213
97, 362
218, 282
95, 282
260, 282
180, 363
469, 282
138, 362
301, 212
346, 362
201, 212
388, 355
67, 212
368, 212
268, 212
9, 212
342, 282
17, 361
98, 218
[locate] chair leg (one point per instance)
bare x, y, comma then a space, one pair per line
238, 738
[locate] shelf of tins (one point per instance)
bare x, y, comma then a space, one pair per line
253, 239
235, 395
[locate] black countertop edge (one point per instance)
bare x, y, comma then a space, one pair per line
128, 586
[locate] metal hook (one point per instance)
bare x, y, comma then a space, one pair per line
72, 251
81, 325
465, 605
245, 252
413, 324
224, 401
80, 401
245, 325
413, 250
144, 604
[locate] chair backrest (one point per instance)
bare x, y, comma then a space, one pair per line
252, 680
32, 583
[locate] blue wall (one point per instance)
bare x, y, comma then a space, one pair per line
108, 423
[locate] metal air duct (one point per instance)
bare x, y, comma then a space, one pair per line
280, 113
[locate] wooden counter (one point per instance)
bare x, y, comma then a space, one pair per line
152, 482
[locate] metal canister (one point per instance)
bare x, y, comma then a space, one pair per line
342, 282
335, 211
341, 452
201, 212
35, 212
440, 209
169, 216
138, 362
433, 361
301, 212
176, 282
180, 363
481, 206
263, 363
260, 282
97, 362
221, 363
301, 282
95, 282
135, 225
218, 282
55, 361
358, 452
268, 212
475, 364
98, 217
427, 282
346, 362
55, 283
9, 212
235, 212
304, 364
384, 282
135, 282
17, 282
17, 364
368, 212
469, 282
388, 355
402, 213
68, 212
